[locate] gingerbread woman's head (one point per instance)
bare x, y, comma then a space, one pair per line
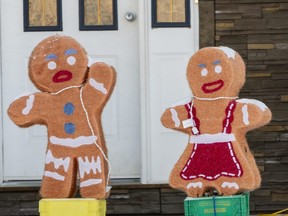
216, 72
56, 63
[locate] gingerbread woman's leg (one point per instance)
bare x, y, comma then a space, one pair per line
92, 177
59, 179
233, 185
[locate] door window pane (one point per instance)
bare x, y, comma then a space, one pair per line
42, 15
170, 13
98, 14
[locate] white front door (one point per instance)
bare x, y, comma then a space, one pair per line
151, 67
168, 50
24, 148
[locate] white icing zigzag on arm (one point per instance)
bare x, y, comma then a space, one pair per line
175, 117
85, 166
245, 114
98, 86
259, 104
29, 105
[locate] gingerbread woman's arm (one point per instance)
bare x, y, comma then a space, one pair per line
100, 82
254, 114
27, 110
173, 117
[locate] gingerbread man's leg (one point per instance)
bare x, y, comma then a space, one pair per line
92, 176
59, 179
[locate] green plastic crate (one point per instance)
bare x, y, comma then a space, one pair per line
237, 205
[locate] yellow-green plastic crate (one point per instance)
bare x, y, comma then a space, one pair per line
72, 207
237, 205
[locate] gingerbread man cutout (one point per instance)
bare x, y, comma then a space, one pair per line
70, 105
217, 155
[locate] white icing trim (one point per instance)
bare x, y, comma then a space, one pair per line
90, 182
245, 114
24, 94
175, 117
259, 104
230, 53
29, 105
57, 161
230, 185
54, 175
98, 86
195, 185
212, 138
86, 166
73, 143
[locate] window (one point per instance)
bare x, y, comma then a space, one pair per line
170, 13
98, 15
42, 15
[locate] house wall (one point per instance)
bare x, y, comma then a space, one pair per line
258, 30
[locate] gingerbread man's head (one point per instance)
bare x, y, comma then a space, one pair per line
56, 63
216, 72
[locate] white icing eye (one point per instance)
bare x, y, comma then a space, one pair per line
218, 69
204, 72
71, 60
52, 65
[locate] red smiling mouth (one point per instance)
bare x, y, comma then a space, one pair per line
212, 86
62, 76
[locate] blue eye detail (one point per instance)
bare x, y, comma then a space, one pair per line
70, 52
51, 56
216, 62
202, 65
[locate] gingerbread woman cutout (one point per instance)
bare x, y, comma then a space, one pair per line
217, 155
70, 105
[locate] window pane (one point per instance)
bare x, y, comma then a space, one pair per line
172, 11
98, 12
42, 12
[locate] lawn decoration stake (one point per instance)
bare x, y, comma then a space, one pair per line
217, 155
70, 105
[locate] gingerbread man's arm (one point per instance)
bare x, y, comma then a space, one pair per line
254, 114
100, 82
173, 117
27, 110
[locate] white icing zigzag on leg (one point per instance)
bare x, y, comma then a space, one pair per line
86, 166
90, 182
230, 185
54, 175
57, 161
195, 185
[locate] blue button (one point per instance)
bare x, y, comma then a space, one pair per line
69, 128
69, 109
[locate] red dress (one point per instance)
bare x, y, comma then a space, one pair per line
212, 160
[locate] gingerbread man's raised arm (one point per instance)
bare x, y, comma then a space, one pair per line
173, 118
100, 82
27, 110
254, 113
